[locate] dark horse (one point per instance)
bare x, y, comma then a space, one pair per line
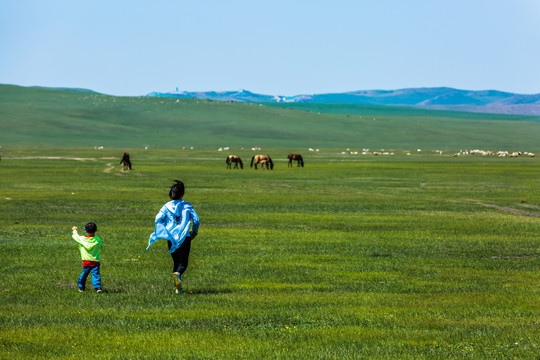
126, 161
265, 159
234, 159
296, 157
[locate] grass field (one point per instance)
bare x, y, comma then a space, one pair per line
404, 257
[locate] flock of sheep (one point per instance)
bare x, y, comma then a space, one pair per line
499, 153
382, 152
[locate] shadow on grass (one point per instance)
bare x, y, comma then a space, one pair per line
90, 289
119, 290
209, 291
113, 291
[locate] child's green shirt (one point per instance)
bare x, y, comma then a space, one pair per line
89, 246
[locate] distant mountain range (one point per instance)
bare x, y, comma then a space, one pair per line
440, 98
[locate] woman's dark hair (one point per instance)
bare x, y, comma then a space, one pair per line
177, 190
90, 227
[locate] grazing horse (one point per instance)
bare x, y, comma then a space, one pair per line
296, 157
126, 161
234, 159
264, 163
258, 158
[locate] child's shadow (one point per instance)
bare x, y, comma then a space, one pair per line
204, 291
208, 291
113, 291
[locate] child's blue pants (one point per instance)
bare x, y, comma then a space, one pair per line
96, 277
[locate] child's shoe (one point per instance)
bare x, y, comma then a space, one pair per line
81, 289
178, 282
98, 290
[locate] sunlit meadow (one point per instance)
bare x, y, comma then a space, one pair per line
403, 257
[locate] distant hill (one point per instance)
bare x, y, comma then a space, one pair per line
241, 96
76, 90
43, 118
440, 98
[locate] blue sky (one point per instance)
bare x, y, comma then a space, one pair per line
274, 47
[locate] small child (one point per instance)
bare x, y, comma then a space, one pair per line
90, 247
173, 224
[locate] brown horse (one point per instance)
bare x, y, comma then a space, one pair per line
234, 159
258, 158
296, 157
126, 161
264, 163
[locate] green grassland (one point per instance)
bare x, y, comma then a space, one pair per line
34, 117
349, 257
392, 257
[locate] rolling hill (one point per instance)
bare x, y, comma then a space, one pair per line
440, 98
39, 117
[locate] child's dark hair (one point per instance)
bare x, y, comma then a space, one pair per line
90, 228
177, 190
